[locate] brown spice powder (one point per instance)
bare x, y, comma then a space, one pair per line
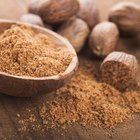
88, 102
26, 53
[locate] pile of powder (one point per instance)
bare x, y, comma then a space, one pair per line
88, 102
27, 53
85, 101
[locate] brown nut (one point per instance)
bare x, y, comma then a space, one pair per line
89, 12
76, 31
104, 38
126, 15
54, 11
120, 69
32, 19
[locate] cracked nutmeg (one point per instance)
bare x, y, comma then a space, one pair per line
76, 31
54, 11
104, 38
126, 15
120, 70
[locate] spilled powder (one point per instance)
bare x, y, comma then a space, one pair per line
85, 101
26, 53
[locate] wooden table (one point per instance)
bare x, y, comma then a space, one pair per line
11, 106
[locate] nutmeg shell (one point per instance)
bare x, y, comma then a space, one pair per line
76, 31
103, 38
54, 11
120, 70
126, 15
89, 12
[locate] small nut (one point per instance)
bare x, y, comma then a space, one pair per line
32, 19
54, 11
126, 15
120, 69
104, 38
76, 31
89, 12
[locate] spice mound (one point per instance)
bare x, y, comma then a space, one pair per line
27, 53
84, 100
88, 102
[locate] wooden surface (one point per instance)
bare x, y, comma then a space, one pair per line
11, 106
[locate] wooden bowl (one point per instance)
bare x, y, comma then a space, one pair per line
30, 86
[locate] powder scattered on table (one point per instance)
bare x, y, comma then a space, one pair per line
27, 53
85, 101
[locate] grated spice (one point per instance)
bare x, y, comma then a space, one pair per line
86, 101
27, 53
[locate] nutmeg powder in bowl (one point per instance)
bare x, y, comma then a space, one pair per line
26, 53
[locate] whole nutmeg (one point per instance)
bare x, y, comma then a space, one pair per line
32, 19
54, 11
76, 31
104, 38
120, 70
126, 15
89, 12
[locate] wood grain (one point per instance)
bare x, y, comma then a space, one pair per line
11, 106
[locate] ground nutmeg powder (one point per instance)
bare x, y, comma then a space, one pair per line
84, 100
23, 52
